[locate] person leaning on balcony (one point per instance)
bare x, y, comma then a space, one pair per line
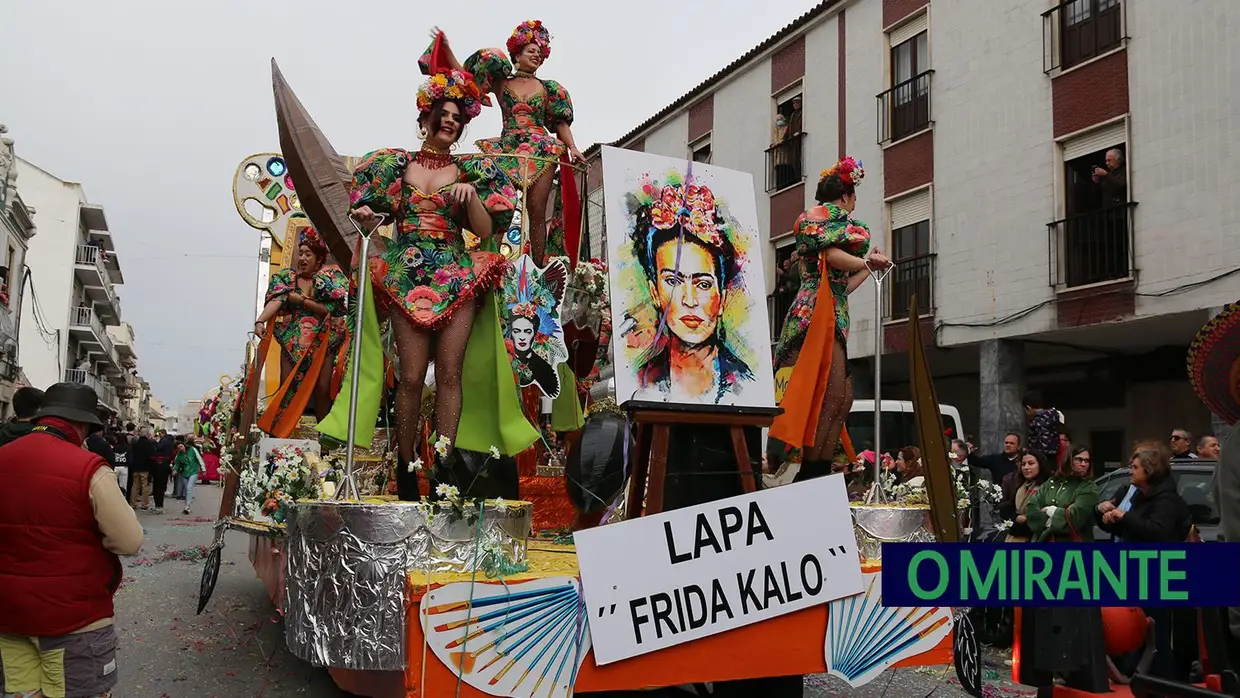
794, 119
26, 403
64, 524
1112, 179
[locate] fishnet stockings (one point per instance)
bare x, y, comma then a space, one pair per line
538, 197
835, 407
414, 347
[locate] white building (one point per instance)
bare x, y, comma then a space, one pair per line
15, 234
979, 125
75, 271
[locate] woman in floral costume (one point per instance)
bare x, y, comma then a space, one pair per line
427, 279
308, 303
833, 250
538, 119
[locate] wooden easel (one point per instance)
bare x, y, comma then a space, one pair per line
653, 422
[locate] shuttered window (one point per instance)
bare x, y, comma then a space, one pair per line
1106, 137
910, 209
908, 30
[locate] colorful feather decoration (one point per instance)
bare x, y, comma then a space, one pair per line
521, 640
864, 637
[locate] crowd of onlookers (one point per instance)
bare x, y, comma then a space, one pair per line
1047, 493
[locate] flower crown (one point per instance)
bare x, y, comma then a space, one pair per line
693, 207
525, 309
453, 85
848, 169
529, 32
311, 238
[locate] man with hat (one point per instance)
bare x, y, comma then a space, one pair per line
63, 522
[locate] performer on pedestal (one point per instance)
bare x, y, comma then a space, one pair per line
427, 279
533, 110
833, 248
308, 303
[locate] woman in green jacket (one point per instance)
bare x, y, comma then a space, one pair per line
1063, 508
187, 465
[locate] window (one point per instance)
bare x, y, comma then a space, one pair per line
1078, 30
914, 272
784, 157
787, 283
905, 108
701, 152
1094, 238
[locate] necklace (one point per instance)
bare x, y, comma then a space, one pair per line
432, 158
525, 74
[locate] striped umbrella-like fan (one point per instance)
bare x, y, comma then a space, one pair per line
519, 640
864, 637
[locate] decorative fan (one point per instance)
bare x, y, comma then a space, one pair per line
864, 637
517, 640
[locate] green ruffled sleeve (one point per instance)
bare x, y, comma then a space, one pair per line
282, 283
494, 187
816, 235
488, 66
559, 104
331, 288
378, 179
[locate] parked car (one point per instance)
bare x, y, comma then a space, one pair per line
1195, 481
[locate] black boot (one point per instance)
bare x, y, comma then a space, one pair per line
407, 483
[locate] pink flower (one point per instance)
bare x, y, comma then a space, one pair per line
497, 202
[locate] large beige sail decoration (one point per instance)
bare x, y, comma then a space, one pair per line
318, 171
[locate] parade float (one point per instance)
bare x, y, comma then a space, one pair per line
462, 595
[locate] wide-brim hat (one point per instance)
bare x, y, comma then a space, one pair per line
75, 402
1214, 364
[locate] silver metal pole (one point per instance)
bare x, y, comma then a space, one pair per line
879, 275
349, 485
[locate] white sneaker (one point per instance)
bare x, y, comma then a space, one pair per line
159, 510
185, 511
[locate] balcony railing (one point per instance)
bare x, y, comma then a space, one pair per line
912, 276
104, 392
904, 109
1078, 30
777, 306
785, 163
1092, 248
84, 316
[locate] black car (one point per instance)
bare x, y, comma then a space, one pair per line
1195, 481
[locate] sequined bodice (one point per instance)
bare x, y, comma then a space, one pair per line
523, 114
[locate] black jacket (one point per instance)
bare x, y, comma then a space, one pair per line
140, 454
9, 431
97, 444
1157, 515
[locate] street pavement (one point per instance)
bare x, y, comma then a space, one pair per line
235, 649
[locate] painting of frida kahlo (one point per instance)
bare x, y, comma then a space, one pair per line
687, 286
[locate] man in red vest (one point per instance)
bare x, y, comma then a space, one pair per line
63, 522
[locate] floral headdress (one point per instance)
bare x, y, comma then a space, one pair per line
693, 207
526, 310
453, 85
529, 32
848, 169
311, 238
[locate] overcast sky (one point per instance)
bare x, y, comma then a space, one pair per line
151, 106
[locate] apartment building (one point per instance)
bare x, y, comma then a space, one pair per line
982, 126
74, 272
15, 233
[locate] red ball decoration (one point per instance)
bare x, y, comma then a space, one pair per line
1123, 630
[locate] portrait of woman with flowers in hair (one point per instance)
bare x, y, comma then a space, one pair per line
689, 329
835, 259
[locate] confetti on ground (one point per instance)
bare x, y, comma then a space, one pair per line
195, 553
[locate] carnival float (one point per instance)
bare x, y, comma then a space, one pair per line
459, 528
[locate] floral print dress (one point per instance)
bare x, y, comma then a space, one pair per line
528, 129
297, 328
427, 271
814, 235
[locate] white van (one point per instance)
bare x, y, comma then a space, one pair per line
899, 427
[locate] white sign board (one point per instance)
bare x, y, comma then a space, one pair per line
663, 580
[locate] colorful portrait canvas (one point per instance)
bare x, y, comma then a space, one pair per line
531, 322
687, 290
